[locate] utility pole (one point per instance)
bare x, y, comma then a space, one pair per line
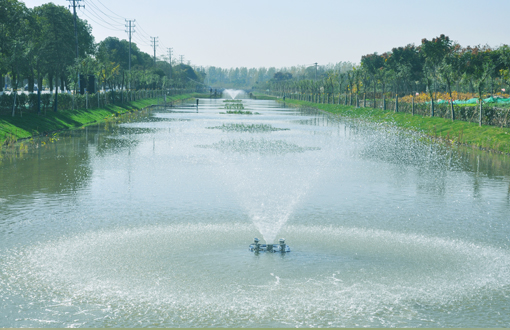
154, 43
76, 40
74, 14
182, 58
315, 71
170, 51
170, 60
130, 31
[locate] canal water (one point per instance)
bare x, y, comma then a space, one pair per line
147, 222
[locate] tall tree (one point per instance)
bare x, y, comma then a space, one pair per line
58, 51
450, 71
479, 66
15, 34
373, 63
434, 52
504, 57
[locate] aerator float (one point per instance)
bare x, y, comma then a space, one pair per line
274, 248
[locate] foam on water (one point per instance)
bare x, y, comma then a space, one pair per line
169, 276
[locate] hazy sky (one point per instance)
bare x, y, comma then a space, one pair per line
279, 33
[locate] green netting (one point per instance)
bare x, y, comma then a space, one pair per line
502, 100
470, 101
474, 101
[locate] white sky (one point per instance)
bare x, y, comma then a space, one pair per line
279, 33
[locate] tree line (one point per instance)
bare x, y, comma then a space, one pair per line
38, 45
436, 65
257, 78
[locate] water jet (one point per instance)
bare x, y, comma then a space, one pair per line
233, 93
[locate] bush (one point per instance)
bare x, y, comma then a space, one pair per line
45, 101
6, 101
21, 102
65, 101
32, 102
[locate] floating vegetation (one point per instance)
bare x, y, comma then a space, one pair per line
234, 106
253, 128
264, 147
234, 101
239, 112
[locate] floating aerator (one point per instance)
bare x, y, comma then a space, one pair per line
280, 247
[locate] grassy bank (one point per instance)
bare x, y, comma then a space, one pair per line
458, 132
15, 128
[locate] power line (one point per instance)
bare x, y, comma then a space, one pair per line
111, 11
162, 49
96, 15
105, 14
141, 41
143, 31
141, 38
93, 20
104, 19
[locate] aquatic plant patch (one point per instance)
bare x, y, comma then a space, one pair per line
262, 146
239, 112
234, 106
252, 128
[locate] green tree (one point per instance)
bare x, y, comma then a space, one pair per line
434, 52
58, 49
373, 64
184, 75
504, 58
15, 43
407, 64
450, 71
281, 76
479, 66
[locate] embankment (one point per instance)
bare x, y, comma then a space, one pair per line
484, 137
31, 124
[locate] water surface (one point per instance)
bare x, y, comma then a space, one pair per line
147, 222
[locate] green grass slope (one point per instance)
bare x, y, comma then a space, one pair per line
457, 132
15, 128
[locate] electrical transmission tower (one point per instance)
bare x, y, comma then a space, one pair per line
130, 30
154, 43
182, 58
74, 4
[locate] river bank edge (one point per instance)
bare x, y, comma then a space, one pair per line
487, 138
14, 129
